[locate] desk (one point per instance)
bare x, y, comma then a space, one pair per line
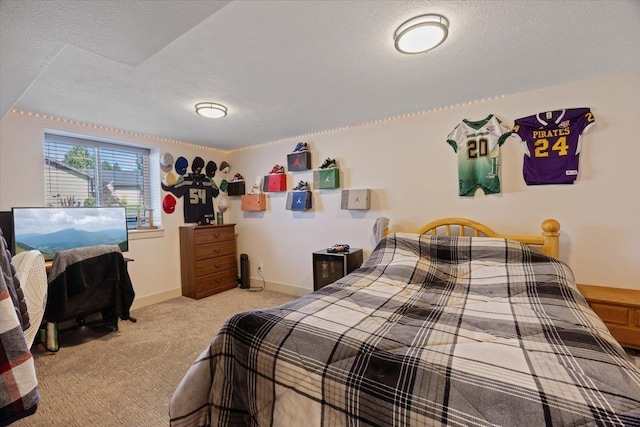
48, 264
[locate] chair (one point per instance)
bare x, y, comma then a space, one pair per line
85, 281
31, 272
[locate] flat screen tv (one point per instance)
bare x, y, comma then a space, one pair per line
50, 230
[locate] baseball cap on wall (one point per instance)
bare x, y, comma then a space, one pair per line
169, 204
224, 167
211, 168
166, 162
197, 163
181, 165
169, 179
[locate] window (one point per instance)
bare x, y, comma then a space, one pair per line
81, 172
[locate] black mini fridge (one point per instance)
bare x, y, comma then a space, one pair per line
329, 267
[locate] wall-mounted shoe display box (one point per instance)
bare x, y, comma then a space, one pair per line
253, 202
299, 161
275, 182
356, 199
326, 178
299, 200
235, 188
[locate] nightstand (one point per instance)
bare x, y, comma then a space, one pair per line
329, 267
619, 309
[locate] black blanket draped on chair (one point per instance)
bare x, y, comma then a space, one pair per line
84, 281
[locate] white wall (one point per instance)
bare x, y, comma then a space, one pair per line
412, 173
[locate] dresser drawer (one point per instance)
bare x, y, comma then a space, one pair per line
218, 280
612, 313
215, 265
213, 250
619, 309
213, 235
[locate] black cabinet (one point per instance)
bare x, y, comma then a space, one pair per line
329, 267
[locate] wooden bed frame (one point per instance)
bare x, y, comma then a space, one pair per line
549, 240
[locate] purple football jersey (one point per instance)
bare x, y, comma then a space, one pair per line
551, 143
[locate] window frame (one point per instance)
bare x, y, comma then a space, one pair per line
98, 156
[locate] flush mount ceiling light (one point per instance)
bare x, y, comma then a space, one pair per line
422, 33
211, 110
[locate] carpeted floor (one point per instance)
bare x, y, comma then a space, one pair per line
126, 378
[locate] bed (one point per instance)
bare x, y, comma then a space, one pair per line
461, 327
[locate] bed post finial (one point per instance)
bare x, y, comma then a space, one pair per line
550, 232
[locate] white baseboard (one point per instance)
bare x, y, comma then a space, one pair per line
174, 293
280, 287
156, 298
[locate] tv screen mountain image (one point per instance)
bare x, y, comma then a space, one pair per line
51, 230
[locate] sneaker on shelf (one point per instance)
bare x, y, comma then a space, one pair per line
237, 177
340, 247
277, 169
302, 146
302, 186
329, 164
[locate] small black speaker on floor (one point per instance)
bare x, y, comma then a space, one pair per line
244, 271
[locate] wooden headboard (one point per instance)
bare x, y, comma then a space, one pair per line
549, 240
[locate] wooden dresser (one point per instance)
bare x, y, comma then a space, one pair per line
619, 309
208, 262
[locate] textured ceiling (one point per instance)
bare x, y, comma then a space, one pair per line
290, 68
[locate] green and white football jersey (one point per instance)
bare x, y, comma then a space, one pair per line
478, 147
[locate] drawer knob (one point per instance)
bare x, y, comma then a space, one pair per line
216, 251
217, 265
216, 235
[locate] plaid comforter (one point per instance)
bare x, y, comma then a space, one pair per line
429, 331
19, 395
